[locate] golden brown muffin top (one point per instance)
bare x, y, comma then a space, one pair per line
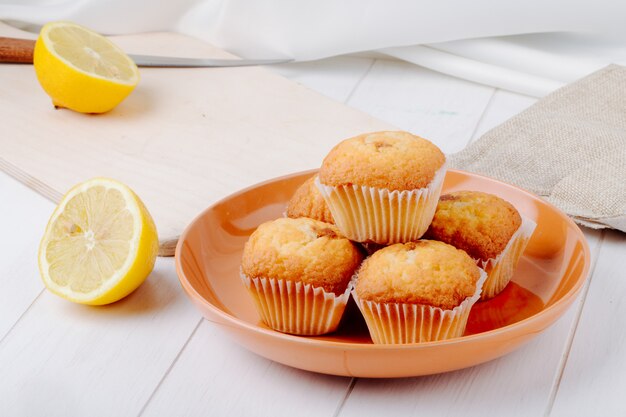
423, 272
479, 223
391, 160
307, 201
303, 250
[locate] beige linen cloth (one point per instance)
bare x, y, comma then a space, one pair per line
569, 148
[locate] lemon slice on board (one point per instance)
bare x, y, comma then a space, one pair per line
100, 243
82, 70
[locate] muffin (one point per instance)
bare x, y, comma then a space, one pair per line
382, 187
417, 292
488, 228
298, 273
307, 201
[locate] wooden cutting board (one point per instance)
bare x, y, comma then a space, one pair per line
182, 140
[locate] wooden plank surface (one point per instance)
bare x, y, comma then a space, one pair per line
64, 359
18, 269
424, 102
151, 354
335, 78
503, 106
213, 376
594, 379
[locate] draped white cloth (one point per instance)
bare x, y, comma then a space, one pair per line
530, 46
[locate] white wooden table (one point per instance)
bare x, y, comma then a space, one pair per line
153, 355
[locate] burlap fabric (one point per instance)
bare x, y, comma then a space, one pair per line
569, 147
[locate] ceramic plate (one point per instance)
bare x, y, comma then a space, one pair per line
546, 282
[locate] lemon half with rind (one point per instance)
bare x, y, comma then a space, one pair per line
100, 243
82, 70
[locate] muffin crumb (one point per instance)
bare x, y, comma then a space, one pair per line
389, 160
423, 272
303, 250
479, 223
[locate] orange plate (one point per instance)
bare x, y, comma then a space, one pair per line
547, 280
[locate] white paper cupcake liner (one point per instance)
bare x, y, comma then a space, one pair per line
399, 323
382, 216
296, 308
501, 268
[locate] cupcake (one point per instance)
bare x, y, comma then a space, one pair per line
298, 273
308, 202
382, 187
417, 292
488, 228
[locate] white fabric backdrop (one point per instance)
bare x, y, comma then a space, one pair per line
577, 36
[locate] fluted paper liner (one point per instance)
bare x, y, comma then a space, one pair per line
397, 323
501, 268
296, 308
382, 216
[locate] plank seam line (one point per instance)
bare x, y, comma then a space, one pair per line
572, 333
21, 316
169, 369
345, 397
482, 117
360, 81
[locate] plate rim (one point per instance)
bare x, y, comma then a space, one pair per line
563, 302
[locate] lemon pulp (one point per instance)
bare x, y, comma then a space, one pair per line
100, 243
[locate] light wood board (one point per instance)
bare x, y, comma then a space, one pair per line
182, 140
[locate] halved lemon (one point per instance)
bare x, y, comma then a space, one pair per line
100, 243
82, 70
